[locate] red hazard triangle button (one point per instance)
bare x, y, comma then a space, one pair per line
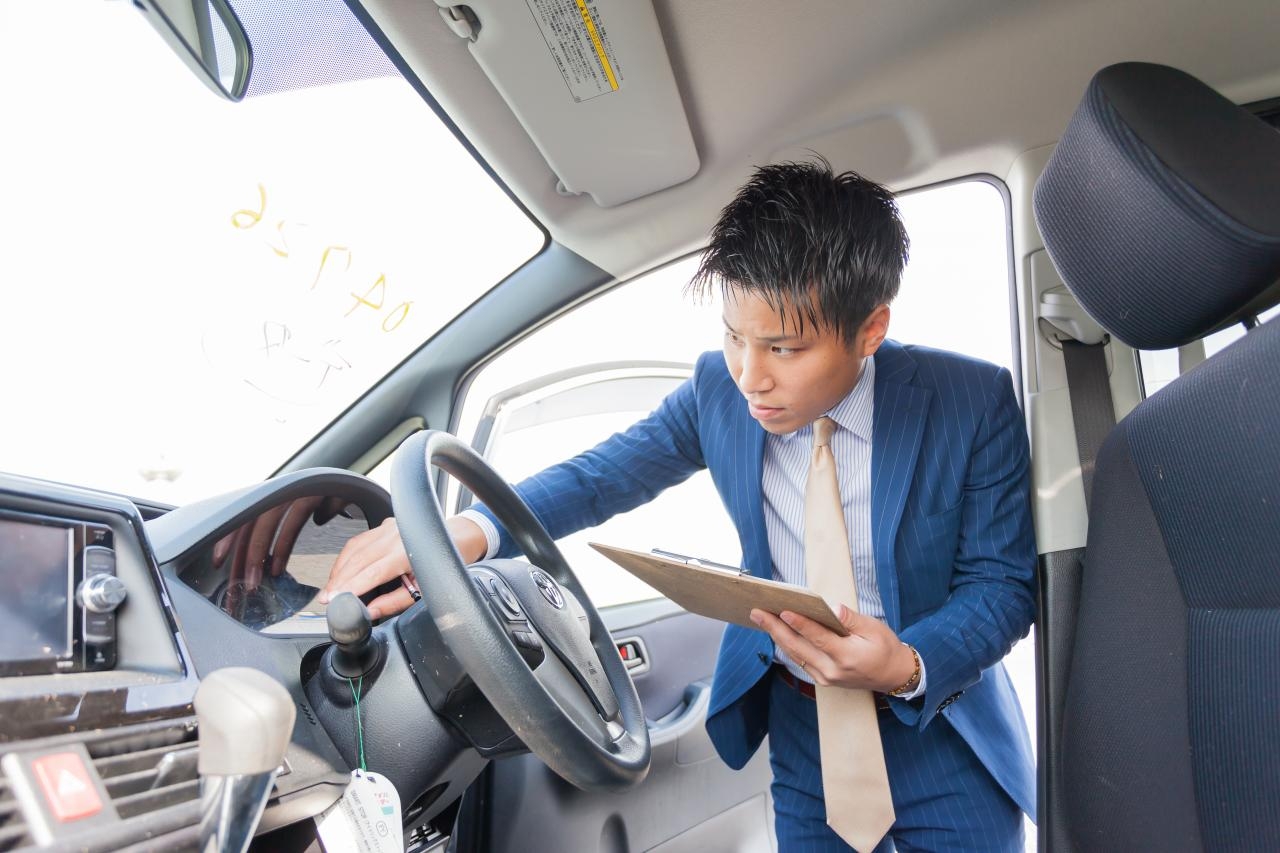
66, 785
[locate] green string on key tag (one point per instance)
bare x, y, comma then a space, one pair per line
356, 690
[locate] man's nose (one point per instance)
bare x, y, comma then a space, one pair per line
754, 378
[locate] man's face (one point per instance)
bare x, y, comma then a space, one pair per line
789, 378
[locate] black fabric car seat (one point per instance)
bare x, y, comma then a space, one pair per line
1160, 207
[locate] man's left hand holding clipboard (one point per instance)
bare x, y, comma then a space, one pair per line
720, 591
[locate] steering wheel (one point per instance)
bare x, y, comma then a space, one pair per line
578, 710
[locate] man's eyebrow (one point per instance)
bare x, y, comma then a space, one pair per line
771, 339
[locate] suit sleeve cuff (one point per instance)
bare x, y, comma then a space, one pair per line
491, 537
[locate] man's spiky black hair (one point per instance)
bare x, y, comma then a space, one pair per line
829, 246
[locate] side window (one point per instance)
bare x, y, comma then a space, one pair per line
1160, 367
956, 292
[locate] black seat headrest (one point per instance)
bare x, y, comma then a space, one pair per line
1160, 207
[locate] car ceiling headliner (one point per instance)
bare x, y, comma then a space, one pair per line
909, 92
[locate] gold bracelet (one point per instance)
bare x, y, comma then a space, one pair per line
910, 683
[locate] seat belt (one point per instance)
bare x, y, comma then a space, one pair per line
1093, 414
1092, 408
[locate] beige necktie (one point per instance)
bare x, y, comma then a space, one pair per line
854, 778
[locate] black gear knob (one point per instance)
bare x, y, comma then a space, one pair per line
354, 651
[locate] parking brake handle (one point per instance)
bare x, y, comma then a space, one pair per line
246, 721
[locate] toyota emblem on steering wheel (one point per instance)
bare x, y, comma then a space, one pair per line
548, 587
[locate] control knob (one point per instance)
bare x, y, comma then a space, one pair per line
102, 593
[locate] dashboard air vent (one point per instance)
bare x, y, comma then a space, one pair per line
149, 769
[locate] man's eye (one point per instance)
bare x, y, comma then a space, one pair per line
784, 350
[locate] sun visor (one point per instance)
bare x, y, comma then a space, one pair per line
591, 83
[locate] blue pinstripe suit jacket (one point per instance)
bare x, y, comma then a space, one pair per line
951, 529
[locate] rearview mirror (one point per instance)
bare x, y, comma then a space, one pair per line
209, 38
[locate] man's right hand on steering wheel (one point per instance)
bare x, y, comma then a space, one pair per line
377, 556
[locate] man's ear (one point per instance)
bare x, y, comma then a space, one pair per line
872, 332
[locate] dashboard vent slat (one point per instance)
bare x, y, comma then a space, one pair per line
160, 770
150, 801
151, 738
131, 762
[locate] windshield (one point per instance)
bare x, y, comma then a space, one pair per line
193, 288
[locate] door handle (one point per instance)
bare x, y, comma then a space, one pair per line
687, 716
635, 657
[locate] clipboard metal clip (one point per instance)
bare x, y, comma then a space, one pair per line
700, 563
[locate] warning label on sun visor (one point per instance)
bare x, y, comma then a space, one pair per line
579, 43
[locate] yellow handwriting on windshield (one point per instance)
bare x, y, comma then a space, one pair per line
334, 265
244, 219
398, 313
331, 252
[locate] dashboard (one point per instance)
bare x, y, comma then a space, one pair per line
115, 610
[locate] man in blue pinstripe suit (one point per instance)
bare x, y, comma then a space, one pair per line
932, 463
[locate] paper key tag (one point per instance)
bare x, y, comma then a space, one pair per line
365, 820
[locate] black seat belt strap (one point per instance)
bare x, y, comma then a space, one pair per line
1092, 409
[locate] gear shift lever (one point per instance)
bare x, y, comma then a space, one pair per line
354, 652
246, 720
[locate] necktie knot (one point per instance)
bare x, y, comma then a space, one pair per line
823, 428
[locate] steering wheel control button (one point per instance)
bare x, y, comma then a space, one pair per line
548, 587
529, 645
526, 640
506, 598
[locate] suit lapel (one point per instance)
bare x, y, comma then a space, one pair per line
749, 440
900, 411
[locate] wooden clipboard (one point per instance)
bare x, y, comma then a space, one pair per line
725, 595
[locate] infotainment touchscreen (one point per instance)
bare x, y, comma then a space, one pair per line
36, 566
60, 594
37, 569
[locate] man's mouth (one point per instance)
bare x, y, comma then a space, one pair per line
760, 412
